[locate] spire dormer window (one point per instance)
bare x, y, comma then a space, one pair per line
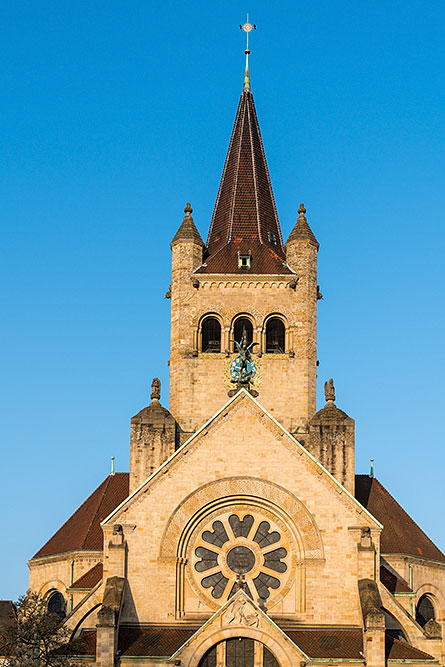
244, 260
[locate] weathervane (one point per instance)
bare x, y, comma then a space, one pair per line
247, 27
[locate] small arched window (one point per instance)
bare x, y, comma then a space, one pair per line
242, 324
275, 336
424, 610
211, 335
56, 604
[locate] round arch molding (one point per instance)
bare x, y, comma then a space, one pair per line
219, 493
192, 654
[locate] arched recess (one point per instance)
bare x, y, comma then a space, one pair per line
210, 334
275, 334
53, 585
198, 334
200, 502
283, 537
426, 609
56, 603
240, 323
240, 651
437, 598
283, 653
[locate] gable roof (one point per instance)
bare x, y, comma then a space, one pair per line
245, 216
396, 649
401, 534
328, 642
240, 395
82, 531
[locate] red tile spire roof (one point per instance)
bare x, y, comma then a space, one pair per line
245, 218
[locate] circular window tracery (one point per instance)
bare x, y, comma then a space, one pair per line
239, 550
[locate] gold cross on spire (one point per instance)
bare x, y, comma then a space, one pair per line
247, 27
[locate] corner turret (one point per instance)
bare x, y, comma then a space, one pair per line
187, 232
152, 439
332, 440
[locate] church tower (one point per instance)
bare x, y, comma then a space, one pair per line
241, 536
244, 279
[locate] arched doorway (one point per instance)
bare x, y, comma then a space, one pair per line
238, 652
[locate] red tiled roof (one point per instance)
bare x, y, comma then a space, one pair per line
82, 531
314, 642
8, 623
392, 580
245, 217
8, 614
395, 649
400, 535
329, 642
85, 644
90, 578
152, 641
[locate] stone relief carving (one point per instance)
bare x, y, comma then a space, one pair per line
240, 612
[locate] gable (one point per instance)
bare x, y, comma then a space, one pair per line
242, 480
244, 433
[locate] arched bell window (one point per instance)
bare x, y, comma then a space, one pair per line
275, 336
242, 324
425, 610
56, 604
211, 335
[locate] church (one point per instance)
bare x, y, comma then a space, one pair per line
241, 536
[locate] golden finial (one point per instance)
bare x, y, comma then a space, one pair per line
247, 27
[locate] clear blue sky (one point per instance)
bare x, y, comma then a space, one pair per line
113, 115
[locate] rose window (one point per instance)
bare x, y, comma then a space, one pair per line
237, 551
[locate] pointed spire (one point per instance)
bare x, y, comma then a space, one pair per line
245, 220
247, 76
301, 230
187, 230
